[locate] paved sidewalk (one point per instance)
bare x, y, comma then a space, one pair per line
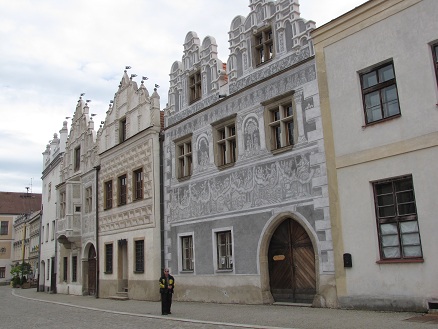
239, 316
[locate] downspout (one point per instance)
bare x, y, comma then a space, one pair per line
161, 142
97, 232
39, 249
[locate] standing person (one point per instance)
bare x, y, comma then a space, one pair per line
167, 283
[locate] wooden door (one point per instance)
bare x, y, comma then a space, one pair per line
291, 261
92, 271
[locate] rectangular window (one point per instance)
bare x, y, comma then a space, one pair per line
280, 125
187, 253
53, 231
195, 89
122, 130
435, 59
65, 268
139, 256
49, 192
48, 269
224, 250
397, 221
108, 195
77, 158
4, 230
263, 46
74, 268
108, 258
47, 232
122, 190
42, 234
379, 92
88, 199
138, 184
2, 272
225, 143
184, 158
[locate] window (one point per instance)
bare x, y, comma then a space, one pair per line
4, 228
224, 250
47, 232
435, 58
108, 258
48, 269
42, 234
122, 130
379, 92
108, 195
139, 256
53, 231
49, 192
2, 272
77, 158
225, 142
138, 184
74, 268
195, 90
122, 190
264, 46
65, 269
184, 158
62, 204
397, 221
88, 199
280, 125
187, 253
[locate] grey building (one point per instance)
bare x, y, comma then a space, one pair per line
246, 216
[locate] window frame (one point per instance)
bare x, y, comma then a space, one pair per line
62, 204
396, 218
225, 142
88, 199
122, 130
74, 268
52, 237
195, 86
263, 49
379, 87
184, 157
229, 246
65, 269
139, 256
108, 191
434, 48
2, 272
122, 190
4, 227
77, 158
187, 261
109, 254
137, 184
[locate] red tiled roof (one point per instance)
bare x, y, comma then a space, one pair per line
12, 203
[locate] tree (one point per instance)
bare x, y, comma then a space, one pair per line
19, 273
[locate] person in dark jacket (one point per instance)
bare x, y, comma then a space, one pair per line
167, 283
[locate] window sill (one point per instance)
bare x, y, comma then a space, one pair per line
282, 149
381, 120
400, 261
187, 272
138, 272
182, 179
225, 166
108, 272
264, 62
225, 271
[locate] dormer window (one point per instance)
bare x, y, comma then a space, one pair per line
195, 90
263, 46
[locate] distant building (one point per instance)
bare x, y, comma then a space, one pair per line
245, 184
51, 176
377, 72
12, 207
128, 194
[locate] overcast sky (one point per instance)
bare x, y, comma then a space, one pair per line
51, 51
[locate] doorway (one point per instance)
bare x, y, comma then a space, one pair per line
291, 262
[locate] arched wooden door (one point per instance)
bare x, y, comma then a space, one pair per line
92, 271
291, 261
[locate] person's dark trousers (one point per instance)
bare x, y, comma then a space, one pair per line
166, 302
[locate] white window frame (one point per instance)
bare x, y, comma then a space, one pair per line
180, 252
215, 250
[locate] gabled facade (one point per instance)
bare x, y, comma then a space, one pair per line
76, 208
14, 207
377, 72
128, 194
245, 186
52, 158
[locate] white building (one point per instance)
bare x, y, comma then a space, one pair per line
377, 72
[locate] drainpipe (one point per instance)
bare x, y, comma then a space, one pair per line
39, 249
97, 232
161, 142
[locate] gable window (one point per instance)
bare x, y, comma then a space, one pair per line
122, 130
379, 92
4, 230
65, 269
225, 142
139, 256
435, 59
88, 200
280, 125
397, 220
108, 195
108, 258
224, 250
74, 268
195, 89
77, 158
138, 184
187, 253
122, 190
263, 46
62, 204
184, 158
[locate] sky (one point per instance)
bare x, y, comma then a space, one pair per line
51, 51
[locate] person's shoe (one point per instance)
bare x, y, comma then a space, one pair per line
163, 313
